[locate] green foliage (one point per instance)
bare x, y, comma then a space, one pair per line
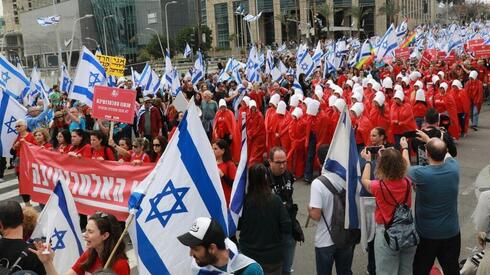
189, 35
391, 9
143, 55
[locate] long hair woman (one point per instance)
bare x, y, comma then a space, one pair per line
158, 145
101, 235
63, 139
226, 167
390, 188
99, 148
264, 220
80, 146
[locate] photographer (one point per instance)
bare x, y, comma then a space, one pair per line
433, 129
282, 185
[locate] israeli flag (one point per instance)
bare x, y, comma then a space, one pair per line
89, 73
10, 111
276, 75
198, 72
317, 55
342, 166
388, 44
235, 74
232, 64
240, 9
251, 18
65, 80
242, 92
135, 76
59, 223
223, 76
187, 50
282, 68
240, 183
48, 21
13, 80
269, 62
175, 88
38, 87
306, 66
167, 76
184, 185
154, 84
145, 76
402, 29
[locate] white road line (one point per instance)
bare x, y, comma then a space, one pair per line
9, 183
9, 195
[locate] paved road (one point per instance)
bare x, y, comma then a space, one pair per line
474, 157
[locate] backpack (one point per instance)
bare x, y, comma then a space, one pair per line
341, 237
400, 232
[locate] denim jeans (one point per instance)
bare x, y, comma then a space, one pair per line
310, 157
326, 256
462, 120
389, 261
474, 115
288, 253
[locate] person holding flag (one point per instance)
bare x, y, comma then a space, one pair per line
213, 253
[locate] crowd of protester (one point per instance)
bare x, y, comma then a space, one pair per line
401, 114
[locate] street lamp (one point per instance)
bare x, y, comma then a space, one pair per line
95, 41
103, 27
159, 41
73, 36
166, 24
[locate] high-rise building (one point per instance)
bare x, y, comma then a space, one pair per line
287, 20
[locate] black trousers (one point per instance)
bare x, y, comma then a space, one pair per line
445, 250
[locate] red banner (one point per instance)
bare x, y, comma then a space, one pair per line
403, 53
474, 42
482, 51
96, 185
427, 56
114, 104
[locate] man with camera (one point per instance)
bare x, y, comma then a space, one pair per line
433, 129
282, 185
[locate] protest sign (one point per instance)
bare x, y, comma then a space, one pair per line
114, 104
481, 51
113, 65
96, 185
402, 53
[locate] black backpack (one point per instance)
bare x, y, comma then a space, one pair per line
341, 237
400, 232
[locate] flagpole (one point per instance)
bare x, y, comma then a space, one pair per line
58, 41
121, 238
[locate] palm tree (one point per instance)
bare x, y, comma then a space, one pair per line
391, 9
284, 18
326, 11
358, 14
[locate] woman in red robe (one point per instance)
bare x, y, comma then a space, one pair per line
446, 104
269, 115
255, 135
225, 128
297, 134
463, 105
401, 117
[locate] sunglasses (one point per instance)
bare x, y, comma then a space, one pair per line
58, 117
18, 126
156, 145
101, 214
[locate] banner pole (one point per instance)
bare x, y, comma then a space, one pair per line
121, 238
111, 130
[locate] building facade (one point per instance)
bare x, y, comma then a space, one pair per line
295, 20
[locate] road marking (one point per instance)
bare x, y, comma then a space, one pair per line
9, 195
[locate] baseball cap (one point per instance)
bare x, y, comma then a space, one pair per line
202, 232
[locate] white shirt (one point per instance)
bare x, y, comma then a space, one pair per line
322, 198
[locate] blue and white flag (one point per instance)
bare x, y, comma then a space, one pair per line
235, 74
223, 76
240, 183
387, 44
342, 167
198, 72
167, 76
65, 80
240, 10
13, 80
135, 76
305, 66
184, 185
175, 88
10, 111
242, 92
187, 50
111, 81
48, 21
402, 29
89, 73
232, 64
317, 55
38, 88
144, 76
251, 18
276, 75
59, 223
154, 85
269, 62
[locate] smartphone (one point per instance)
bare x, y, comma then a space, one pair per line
373, 149
410, 134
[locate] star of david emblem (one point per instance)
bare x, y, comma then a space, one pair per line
304, 67
58, 235
176, 205
9, 123
5, 77
93, 79
385, 44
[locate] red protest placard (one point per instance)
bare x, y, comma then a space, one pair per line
403, 53
114, 104
96, 185
482, 51
425, 59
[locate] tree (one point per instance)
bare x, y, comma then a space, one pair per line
391, 9
153, 46
326, 11
189, 35
358, 14
143, 55
471, 11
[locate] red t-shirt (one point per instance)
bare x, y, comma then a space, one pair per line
385, 204
142, 156
107, 155
85, 151
120, 266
